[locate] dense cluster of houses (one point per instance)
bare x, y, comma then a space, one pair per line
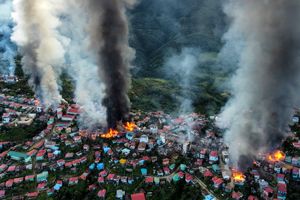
17, 110
161, 150
8, 79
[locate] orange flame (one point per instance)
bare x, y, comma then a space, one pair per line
276, 156
130, 126
238, 176
110, 134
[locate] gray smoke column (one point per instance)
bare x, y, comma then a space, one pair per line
89, 90
109, 39
7, 48
41, 46
265, 89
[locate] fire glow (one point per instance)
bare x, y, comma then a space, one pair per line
238, 176
110, 134
276, 156
130, 126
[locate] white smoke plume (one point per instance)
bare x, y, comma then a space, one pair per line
7, 47
265, 88
89, 90
41, 45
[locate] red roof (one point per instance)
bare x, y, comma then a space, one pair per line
41, 153
181, 174
68, 116
214, 153
18, 180
9, 183
236, 195
282, 187
68, 164
146, 158
92, 187
3, 154
100, 179
138, 196
268, 190
76, 162
59, 182
3, 166
217, 180
32, 152
73, 179
61, 161
149, 179
188, 177
251, 197
41, 185
199, 162
32, 194
110, 176
5, 115
83, 159
73, 111
11, 168
39, 144
84, 176
166, 170
207, 173
280, 176
102, 193
296, 145
29, 177
103, 173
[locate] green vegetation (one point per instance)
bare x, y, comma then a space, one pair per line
150, 94
18, 134
21, 87
67, 88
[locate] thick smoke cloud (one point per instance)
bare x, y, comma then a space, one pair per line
265, 89
109, 40
7, 47
89, 90
41, 46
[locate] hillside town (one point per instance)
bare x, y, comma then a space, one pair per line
153, 152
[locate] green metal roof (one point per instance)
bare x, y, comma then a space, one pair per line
18, 154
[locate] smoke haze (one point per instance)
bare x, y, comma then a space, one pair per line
265, 87
181, 67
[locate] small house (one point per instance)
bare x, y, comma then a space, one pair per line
138, 196
213, 156
102, 193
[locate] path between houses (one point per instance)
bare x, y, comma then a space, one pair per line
203, 185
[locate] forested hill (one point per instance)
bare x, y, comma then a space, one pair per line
161, 26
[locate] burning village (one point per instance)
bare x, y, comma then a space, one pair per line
137, 99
